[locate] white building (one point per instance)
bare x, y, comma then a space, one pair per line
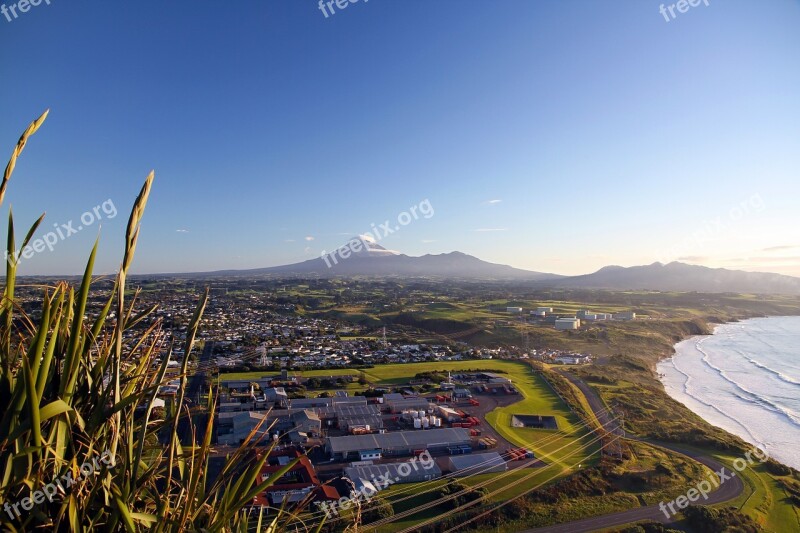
563, 324
513, 309
573, 359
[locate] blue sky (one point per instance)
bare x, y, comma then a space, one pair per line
556, 136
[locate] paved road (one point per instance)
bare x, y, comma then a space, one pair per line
727, 491
194, 387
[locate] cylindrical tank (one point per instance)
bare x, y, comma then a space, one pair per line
438, 422
415, 414
417, 423
422, 413
426, 423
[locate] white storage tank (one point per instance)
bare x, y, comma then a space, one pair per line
417, 423
422, 413
415, 414
438, 423
426, 423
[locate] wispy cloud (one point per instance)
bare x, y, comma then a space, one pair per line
182, 230
763, 260
309, 238
428, 241
289, 240
781, 248
486, 230
493, 202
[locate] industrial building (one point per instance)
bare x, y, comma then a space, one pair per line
406, 404
352, 417
564, 324
513, 309
534, 421
313, 403
448, 413
393, 471
397, 444
573, 359
295, 485
478, 463
233, 428
491, 377
244, 385
462, 394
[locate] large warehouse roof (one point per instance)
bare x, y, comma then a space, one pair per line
477, 462
411, 440
390, 471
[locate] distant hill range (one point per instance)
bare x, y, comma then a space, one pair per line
681, 277
364, 257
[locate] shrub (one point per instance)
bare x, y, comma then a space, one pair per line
70, 386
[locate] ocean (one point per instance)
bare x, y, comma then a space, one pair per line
745, 379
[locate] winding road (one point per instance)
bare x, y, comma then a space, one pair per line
730, 489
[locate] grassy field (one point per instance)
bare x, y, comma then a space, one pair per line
562, 447
764, 498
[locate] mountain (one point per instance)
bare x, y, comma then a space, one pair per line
362, 256
681, 277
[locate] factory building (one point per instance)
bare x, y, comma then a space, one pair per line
295, 485
448, 413
491, 377
352, 418
397, 444
398, 472
478, 463
233, 428
564, 324
315, 403
405, 404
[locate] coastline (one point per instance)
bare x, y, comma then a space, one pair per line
736, 400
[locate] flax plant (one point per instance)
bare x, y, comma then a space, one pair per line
70, 382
